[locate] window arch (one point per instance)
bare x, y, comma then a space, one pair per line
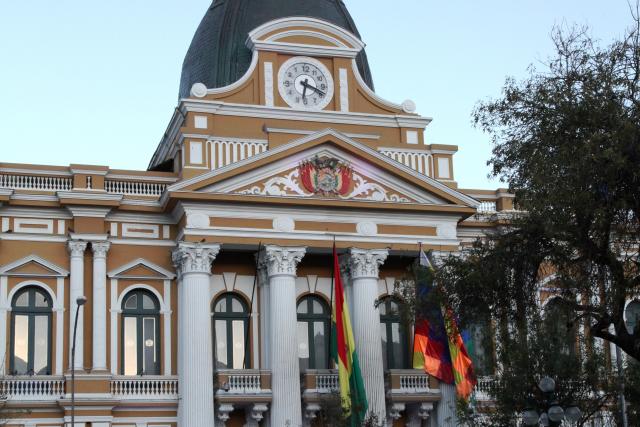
394, 336
632, 316
140, 333
31, 332
230, 332
313, 333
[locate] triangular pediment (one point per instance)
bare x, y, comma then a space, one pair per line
33, 266
371, 176
141, 269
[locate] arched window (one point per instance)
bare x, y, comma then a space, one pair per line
230, 326
394, 340
140, 334
313, 333
31, 332
559, 327
632, 316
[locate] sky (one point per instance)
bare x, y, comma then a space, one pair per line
96, 82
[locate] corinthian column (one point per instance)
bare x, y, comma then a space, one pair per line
100, 250
281, 264
364, 268
76, 289
193, 264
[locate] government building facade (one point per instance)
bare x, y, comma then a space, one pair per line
208, 276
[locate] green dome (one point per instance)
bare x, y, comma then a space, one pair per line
218, 55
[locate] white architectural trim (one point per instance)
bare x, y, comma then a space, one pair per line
344, 89
166, 317
58, 271
144, 286
4, 307
144, 231
268, 84
309, 132
24, 225
59, 369
55, 303
114, 311
163, 273
234, 85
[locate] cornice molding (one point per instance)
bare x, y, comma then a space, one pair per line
57, 271
88, 212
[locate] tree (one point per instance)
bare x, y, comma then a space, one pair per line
567, 142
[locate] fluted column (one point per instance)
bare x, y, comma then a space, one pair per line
446, 411
76, 289
281, 264
193, 263
364, 268
100, 250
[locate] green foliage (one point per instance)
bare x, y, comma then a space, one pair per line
632, 392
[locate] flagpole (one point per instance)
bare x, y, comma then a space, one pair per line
253, 291
331, 296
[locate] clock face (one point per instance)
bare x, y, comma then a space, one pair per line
305, 83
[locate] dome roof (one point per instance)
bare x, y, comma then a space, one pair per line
218, 55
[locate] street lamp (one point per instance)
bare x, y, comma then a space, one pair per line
552, 413
80, 301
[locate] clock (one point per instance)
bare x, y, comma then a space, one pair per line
305, 83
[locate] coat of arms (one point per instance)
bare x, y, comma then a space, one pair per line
326, 176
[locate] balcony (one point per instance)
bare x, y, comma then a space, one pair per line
485, 389
145, 388
248, 389
32, 388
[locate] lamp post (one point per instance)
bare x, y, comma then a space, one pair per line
80, 301
552, 414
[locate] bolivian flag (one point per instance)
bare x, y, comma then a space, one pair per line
343, 352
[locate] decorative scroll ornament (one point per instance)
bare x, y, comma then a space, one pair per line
326, 176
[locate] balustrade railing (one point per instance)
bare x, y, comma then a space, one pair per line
225, 152
134, 188
485, 388
35, 182
32, 388
135, 388
420, 161
244, 383
327, 383
487, 207
414, 383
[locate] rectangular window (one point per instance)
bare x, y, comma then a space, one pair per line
303, 346
221, 344
396, 363
130, 346
21, 345
41, 346
238, 344
320, 346
383, 334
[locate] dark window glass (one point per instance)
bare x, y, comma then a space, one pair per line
230, 327
31, 333
632, 316
313, 333
560, 328
140, 334
482, 351
394, 337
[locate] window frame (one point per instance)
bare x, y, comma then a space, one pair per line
140, 314
31, 311
389, 320
229, 317
310, 319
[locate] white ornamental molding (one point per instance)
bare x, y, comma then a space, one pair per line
282, 261
284, 224
366, 263
76, 247
100, 249
288, 186
367, 228
194, 257
197, 220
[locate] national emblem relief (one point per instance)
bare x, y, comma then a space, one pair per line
326, 176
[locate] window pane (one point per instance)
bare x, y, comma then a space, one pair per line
397, 346
130, 346
148, 303
317, 307
221, 306
383, 308
41, 346
633, 316
383, 334
236, 306
393, 308
320, 345
303, 345
303, 306
131, 303
149, 361
23, 300
238, 344
21, 344
221, 344
41, 299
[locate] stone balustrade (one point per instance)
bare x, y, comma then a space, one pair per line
32, 388
134, 188
35, 182
145, 388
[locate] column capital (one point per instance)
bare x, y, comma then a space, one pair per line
365, 263
100, 249
194, 257
77, 247
280, 260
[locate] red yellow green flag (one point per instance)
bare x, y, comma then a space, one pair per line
343, 352
461, 363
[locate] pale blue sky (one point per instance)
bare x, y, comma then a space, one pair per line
95, 82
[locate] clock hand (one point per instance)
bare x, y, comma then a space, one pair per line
315, 89
305, 83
